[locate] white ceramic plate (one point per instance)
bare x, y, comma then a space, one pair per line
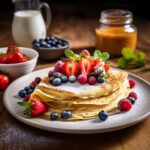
140, 110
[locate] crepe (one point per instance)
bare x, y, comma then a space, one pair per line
84, 101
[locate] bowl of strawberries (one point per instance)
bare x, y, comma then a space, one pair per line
17, 61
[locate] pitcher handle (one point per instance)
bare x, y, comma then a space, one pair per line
48, 13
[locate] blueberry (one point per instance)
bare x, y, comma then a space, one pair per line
32, 87
47, 46
50, 73
51, 79
64, 79
57, 74
37, 45
22, 93
66, 114
27, 89
98, 71
30, 91
65, 43
100, 80
35, 41
49, 42
58, 46
72, 79
131, 99
53, 43
103, 115
43, 43
47, 38
59, 42
53, 116
56, 81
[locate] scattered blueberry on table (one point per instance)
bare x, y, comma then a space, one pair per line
50, 42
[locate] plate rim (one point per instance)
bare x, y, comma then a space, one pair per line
68, 130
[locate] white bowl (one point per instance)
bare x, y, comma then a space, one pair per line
18, 69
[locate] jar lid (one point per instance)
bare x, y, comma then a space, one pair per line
116, 16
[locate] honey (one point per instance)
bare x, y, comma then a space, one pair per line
116, 32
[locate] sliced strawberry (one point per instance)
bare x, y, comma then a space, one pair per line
86, 65
12, 48
98, 63
3, 59
106, 67
34, 107
15, 57
70, 68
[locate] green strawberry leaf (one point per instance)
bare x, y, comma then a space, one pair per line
104, 56
82, 55
24, 104
96, 54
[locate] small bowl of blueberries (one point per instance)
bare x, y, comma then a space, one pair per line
51, 48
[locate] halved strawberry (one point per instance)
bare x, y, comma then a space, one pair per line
70, 68
12, 48
86, 65
15, 57
34, 107
3, 59
98, 63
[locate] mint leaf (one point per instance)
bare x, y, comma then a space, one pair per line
82, 55
96, 54
140, 55
128, 53
70, 54
22, 103
104, 56
122, 62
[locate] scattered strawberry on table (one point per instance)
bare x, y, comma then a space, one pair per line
4, 82
12, 55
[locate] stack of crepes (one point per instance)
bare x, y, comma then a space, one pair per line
84, 101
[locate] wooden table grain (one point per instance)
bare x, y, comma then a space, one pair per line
15, 135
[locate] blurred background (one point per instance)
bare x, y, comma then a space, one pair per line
68, 17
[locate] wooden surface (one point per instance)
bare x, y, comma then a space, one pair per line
15, 135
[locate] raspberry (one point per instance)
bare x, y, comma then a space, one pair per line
125, 105
26, 98
132, 83
82, 79
86, 52
133, 94
58, 66
92, 80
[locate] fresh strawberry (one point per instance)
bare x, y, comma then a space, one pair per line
4, 82
98, 63
70, 68
15, 57
34, 107
86, 65
86, 52
3, 59
12, 49
106, 67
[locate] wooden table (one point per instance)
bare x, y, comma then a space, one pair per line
15, 135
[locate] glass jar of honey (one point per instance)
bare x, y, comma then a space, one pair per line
116, 31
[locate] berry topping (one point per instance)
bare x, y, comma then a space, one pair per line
12, 48
58, 66
86, 65
53, 116
125, 105
134, 95
50, 73
57, 74
64, 79
26, 98
22, 93
100, 80
103, 115
82, 79
72, 79
51, 79
92, 80
106, 67
86, 52
34, 107
98, 63
66, 114
37, 80
131, 99
70, 68
56, 81
132, 83
98, 70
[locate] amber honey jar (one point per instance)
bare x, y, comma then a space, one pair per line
116, 31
